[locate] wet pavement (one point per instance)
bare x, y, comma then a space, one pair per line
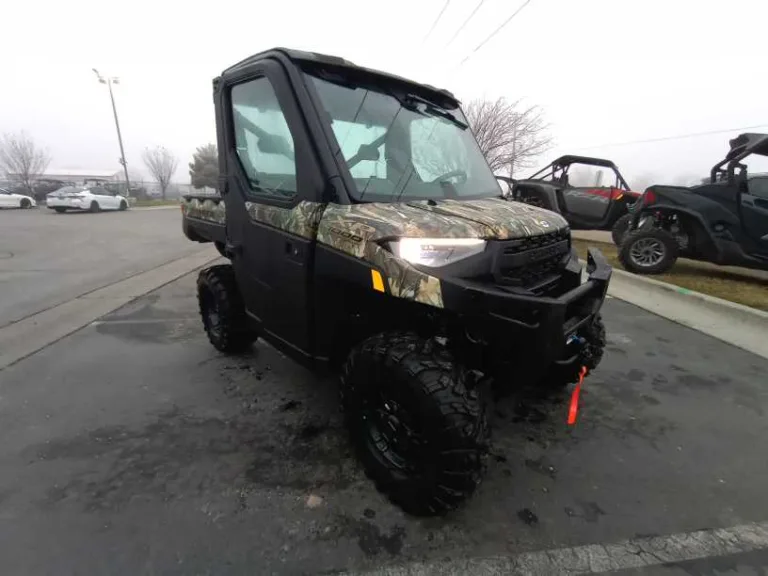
47, 258
132, 447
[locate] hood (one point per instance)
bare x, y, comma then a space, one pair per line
490, 219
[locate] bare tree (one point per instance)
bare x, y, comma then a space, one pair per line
161, 164
510, 136
21, 159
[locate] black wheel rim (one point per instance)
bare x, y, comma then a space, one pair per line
647, 252
393, 434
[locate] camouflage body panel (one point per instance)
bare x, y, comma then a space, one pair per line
301, 220
403, 280
212, 210
354, 230
491, 219
500, 219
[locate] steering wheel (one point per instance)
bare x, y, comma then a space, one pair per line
460, 174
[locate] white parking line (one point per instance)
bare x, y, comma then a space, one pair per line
601, 558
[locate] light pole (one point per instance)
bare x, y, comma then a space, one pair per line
109, 81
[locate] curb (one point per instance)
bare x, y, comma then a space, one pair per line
735, 324
147, 208
713, 302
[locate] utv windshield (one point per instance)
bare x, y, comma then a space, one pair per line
399, 146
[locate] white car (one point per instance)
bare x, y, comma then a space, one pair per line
10, 199
90, 199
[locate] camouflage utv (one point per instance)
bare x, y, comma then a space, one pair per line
367, 235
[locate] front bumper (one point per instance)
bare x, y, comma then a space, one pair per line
531, 324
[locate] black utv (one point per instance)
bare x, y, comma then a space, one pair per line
590, 193
724, 221
367, 235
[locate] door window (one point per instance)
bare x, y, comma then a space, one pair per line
263, 140
758, 187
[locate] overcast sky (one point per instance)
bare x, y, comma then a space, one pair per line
604, 71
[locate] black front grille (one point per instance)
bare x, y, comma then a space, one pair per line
533, 263
529, 242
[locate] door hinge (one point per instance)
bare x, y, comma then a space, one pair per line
234, 247
223, 185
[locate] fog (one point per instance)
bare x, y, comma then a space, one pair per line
605, 72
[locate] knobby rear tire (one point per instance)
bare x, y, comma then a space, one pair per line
219, 299
620, 229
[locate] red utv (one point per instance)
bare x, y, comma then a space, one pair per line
589, 192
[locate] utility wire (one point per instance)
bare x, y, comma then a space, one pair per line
507, 21
465, 23
445, 7
676, 137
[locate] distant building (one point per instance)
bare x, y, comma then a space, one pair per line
80, 176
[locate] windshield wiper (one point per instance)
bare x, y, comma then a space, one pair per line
432, 109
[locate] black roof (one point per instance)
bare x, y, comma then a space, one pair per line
571, 159
300, 56
748, 143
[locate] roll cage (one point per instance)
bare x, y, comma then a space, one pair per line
742, 146
558, 170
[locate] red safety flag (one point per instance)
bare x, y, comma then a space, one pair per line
574, 408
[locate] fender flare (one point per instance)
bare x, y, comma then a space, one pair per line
673, 208
545, 191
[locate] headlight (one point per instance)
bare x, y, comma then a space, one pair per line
436, 252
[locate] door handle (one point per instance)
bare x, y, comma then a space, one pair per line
292, 251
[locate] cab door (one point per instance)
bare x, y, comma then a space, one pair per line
272, 187
754, 210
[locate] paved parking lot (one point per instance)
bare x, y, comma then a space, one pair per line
132, 447
48, 258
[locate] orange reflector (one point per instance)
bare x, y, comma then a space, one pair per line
378, 281
619, 197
